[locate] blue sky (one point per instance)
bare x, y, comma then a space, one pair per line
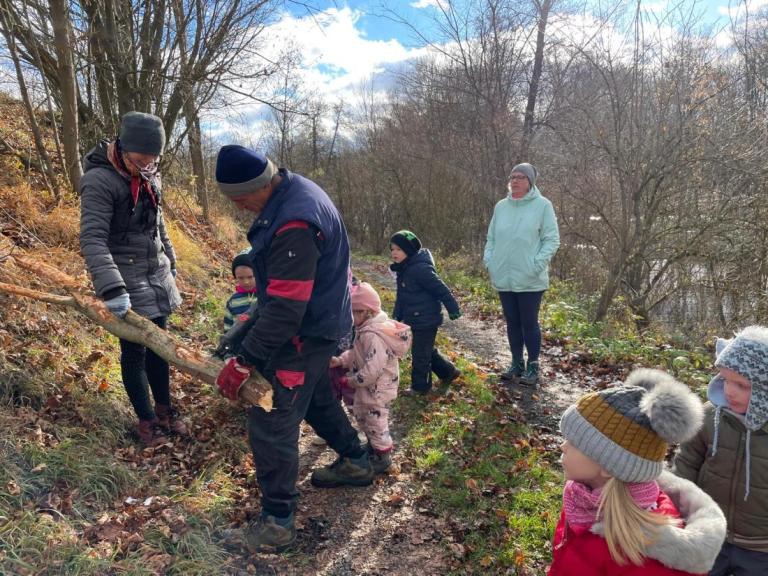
347, 44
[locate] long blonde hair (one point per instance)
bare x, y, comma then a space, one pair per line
629, 529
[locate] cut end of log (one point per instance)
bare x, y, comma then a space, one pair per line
253, 395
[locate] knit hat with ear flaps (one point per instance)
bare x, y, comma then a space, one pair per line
142, 133
627, 429
746, 354
240, 171
407, 241
365, 298
529, 170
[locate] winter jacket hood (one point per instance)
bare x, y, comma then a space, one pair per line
690, 548
522, 239
396, 335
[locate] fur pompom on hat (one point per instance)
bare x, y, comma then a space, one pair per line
407, 241
627, 429
529, 170
364, 297
240, 171
142, 133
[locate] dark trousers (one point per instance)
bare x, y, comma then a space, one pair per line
426, 359
142, 371
521, 311
274, 435
737, 561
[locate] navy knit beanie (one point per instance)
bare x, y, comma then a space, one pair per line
242, 259
407, 241
240, 171
142, 133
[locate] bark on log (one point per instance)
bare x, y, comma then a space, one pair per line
256, 391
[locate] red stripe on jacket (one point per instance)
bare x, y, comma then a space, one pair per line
290, 225
291, 289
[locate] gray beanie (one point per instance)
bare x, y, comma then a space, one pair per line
529, 170
142, 133
627, 429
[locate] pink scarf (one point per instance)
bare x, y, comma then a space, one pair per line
580, 502
240, 290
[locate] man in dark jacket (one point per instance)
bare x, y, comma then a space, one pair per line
130, 258
300, 256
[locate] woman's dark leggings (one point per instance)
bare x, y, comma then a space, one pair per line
521, 311
143, 370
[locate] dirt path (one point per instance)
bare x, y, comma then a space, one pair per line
383, 529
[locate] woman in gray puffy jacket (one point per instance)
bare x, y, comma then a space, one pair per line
131, 260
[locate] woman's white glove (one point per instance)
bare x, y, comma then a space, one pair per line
119, 305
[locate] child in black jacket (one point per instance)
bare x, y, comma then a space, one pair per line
420, 293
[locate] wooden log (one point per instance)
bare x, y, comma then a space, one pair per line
256, 391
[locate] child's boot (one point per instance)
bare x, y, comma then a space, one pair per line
380, 461
531, 375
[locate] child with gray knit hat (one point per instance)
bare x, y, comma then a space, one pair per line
728, 458
622, 513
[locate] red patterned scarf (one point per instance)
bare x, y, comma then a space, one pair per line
137, 182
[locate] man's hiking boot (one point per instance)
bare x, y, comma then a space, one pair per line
344, 471
514, 371
169, 421
150, 434
270, 534
531, 375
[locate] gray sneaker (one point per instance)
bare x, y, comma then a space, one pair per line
270, 535
344, 471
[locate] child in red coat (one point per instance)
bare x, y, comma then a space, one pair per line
622, 515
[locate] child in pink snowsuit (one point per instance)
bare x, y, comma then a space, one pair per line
374, 372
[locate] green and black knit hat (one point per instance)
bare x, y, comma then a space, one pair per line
407, 241
627, 429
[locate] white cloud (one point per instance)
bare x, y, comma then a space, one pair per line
425, 4
336, 57
737, 10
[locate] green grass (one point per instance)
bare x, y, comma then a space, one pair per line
484, 474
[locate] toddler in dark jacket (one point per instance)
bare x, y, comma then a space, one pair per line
420, 297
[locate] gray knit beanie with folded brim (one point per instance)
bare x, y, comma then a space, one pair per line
627, 429
142, 133
240, 170
529, 170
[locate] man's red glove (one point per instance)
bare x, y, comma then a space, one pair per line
232, 377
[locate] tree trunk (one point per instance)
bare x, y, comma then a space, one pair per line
62, 35
256, 391
533, 89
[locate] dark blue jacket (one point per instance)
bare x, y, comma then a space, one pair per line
328, 312
420, 291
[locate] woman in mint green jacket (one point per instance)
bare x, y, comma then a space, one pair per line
522, 239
